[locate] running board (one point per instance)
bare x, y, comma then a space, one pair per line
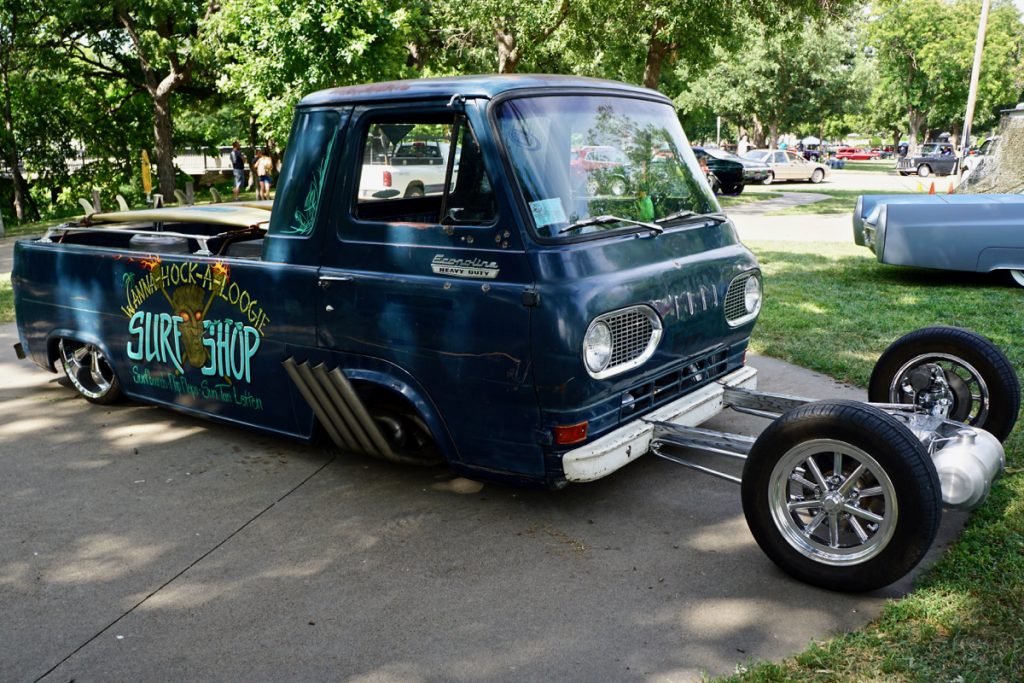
339, 409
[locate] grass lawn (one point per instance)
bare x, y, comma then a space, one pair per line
833, 308
746, 198
840, 201
6, 299
876, 166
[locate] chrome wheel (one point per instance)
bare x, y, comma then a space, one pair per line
942, 384
89, 371
1018, 277
832, 502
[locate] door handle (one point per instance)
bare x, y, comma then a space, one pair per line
326, 280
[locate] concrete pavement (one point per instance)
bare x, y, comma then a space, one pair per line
139, 544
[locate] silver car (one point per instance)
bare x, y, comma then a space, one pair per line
786, 164
970, 232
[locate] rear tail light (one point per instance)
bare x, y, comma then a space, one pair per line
387, 178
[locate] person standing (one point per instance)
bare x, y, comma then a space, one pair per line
237, 167
264, 167
743, 145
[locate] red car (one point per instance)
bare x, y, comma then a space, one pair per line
856, 153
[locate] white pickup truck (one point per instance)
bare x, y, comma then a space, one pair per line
415, 168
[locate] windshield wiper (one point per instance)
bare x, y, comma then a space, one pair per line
686, 213
607, 218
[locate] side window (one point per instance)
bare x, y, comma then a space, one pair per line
423, 172
794, 158
780, 157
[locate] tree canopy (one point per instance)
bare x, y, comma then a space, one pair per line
86, 86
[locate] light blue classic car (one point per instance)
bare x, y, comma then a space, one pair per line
971, 232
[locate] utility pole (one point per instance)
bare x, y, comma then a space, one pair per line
972, 94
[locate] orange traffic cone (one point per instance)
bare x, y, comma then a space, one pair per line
950, 190
931, 190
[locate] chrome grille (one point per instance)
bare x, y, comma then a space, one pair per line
735, 308
635, 332
631, 332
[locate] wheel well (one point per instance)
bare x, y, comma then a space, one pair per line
396, 413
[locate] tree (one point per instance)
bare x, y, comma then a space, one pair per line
924, 51
154, 47
777, 80
272, 53
19, 24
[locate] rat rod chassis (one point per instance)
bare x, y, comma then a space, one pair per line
848, 495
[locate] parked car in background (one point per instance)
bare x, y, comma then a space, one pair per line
856, 153
970, 232
602, 168
812, 152
731, 172
935, 157
977, 157
784, 164
396, 162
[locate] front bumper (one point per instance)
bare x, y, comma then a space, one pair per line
755, 176
616, 449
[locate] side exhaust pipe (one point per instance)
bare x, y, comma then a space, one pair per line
342, 413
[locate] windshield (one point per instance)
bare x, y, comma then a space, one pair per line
759, 155
578, 158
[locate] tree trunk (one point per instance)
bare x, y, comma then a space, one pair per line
24, 208
773, 134
758, 133
915, 119
657, 50
508, 51
162, 127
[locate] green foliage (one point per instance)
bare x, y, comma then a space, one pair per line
779, 78
924, 50
274, 53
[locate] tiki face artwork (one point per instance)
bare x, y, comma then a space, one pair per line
187, 302
190, 302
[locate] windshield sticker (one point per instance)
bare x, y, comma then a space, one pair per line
547, 212
203, 357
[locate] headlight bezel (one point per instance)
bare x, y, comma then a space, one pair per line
613, 322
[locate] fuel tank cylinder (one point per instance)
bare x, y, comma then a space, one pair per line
967, 465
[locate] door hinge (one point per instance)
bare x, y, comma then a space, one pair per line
531, 298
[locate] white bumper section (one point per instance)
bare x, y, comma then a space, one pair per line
627, 443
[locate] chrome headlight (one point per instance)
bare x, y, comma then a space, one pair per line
621, 340
597, 347
743, 298
752, 295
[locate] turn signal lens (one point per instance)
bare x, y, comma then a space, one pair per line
565, 435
